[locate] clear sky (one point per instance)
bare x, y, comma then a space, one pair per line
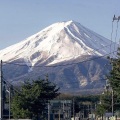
20, 19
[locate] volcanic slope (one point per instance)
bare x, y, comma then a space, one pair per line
59, 51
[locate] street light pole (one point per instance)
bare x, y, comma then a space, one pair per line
73, 109
1, 92
9, 101
112, 103
48, 110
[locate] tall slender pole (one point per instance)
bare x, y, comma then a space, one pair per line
63, 109
112, 103
1, 92
112, 98
73, 110
9, 102
59, 114
48, 110
83, 111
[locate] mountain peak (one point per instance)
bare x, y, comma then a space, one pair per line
63, 24
60, 41
69, 22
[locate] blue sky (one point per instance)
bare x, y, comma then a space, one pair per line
20, 19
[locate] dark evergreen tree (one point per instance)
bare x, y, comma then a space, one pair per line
33, 98
114, 76
114, 80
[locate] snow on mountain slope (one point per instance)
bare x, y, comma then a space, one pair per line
63, 40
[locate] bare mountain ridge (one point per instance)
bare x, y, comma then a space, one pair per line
61, 45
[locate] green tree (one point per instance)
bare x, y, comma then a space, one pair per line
114, 76
114, 80
104, 104
32, 99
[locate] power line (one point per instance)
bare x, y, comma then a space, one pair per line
10, 85
74, 82
116, 34
91, 51
1, 92
17, 90
111, 37
63, 64
115, 18
75, 62
72, 63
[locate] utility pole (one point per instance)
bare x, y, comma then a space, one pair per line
59, 114
9, 92
112, 103
73, 110
116, 18
1, 93
63, 109
48, 110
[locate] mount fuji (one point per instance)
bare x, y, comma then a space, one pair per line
69, 53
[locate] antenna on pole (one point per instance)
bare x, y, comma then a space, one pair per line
116, 18
1, 92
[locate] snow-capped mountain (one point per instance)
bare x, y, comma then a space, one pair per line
59, 43
64, 41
